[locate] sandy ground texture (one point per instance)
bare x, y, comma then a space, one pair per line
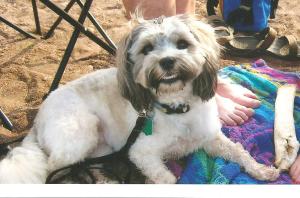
27, 66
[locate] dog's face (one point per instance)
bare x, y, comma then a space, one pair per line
165, 55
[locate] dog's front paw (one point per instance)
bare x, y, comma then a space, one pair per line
265, 173
164, 178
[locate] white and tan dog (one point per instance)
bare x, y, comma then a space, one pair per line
166, 63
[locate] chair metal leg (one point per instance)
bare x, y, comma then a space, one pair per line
78, 25
6, 122
36, 17
16, 28
59, 19
274, 6
70, 47
98, 27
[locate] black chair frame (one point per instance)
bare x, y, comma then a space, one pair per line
109, 46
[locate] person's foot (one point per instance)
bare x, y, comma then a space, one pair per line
295, 171
231, 113
238, 94
235, 103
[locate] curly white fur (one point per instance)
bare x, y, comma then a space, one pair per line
94, 115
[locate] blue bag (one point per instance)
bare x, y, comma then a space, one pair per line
245, 15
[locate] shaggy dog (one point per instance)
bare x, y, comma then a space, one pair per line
166, 68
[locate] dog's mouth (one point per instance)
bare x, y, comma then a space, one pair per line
169, 81
169, 78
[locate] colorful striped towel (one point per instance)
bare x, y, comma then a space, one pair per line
256, 135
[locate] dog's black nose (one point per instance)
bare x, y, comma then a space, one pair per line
167, 63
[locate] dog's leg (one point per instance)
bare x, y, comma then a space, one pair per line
147, 155
222, 146
69, 132
76, 142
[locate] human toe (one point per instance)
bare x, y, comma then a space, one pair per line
295, 171
248, 111
241, 114
228, 121
237, 119
222, 122
297, 180
247, 102
296, 176
250, 95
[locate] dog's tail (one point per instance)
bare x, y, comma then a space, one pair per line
26, 163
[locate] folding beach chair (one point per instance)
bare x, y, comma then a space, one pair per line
107, 45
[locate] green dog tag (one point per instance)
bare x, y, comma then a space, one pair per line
148, 126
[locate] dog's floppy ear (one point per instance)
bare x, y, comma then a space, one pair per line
206, 83
138, 96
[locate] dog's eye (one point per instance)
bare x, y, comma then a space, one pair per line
182, 44
147, 48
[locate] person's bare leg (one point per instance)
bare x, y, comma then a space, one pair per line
295, 171
185, 6
151, 9
130, 6
235, 103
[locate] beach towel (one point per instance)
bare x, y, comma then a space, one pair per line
256, 135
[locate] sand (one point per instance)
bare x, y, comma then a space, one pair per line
27, 66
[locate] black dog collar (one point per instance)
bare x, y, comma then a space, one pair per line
171, 108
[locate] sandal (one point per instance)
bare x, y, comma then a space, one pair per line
285, 47
249, 46
224, 33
